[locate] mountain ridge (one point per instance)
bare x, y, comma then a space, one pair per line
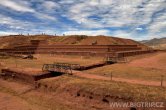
157, 43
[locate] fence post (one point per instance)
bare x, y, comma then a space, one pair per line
111, 76
162, 77
16, 62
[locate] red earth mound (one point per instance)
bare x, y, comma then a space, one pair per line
10, 41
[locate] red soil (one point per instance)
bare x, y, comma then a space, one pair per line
151, 62
9, 102
9, 99
17, 87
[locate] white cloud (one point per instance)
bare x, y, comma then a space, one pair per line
91, 17
67, 1
157, 27
122, 34
44, 16
158, 24
50, 5
87, 32
14, 24
17, 6
114, 13
24, 6
139, 29
110, 13
3, 33
129, 35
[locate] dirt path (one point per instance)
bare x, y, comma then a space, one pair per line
134, 81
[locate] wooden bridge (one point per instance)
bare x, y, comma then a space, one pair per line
60, 67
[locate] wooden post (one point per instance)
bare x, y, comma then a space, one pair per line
162, 78
15, 61
111, 76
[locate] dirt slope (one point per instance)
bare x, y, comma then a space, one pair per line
16, 40
11, 41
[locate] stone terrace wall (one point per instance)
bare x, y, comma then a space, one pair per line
42, 47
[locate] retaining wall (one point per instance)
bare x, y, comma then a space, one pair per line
25, 76
92, 50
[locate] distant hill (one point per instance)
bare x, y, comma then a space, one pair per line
17, 40
157, 43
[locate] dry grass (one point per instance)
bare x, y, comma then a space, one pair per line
116, 89
124, 71
35, 101
149, 68
47, 59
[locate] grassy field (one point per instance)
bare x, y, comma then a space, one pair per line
124, 71
149, 68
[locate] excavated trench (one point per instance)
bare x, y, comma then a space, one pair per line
92, 66
27, 76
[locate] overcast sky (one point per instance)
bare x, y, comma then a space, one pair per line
136, 19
